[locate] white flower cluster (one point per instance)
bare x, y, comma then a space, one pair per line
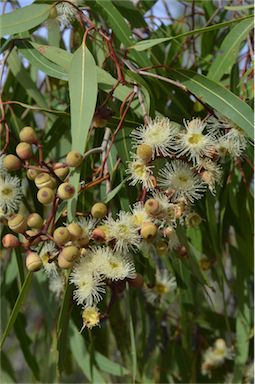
164, 284
10, 192
195, 152
66, 12
98, 264
215, 356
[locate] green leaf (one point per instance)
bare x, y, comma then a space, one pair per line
106, 365
40, 62
114, 192
119, 26
105, 80
23, 77
146, 44
236, 8
17, 306
229, 50
132, 338
83, 96
82, 357
62, 326
217, 97
23, 19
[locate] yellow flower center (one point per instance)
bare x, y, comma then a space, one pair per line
45, 258
195, 138
161, 289
183, 179
139, 170
114, 265
7, 192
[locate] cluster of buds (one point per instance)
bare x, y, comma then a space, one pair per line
98, 249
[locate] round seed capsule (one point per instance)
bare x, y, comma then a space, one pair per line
10, 241
83, 241
65, 191
33, 262
70, 253
12, 163
43, 180
63, 263
35, 221
45, 195
144, 151
152, 207
74, 159
61, 170
99, 210
17, 223
28, 135
98, 234
24, 151
149, 231
75, 230
31, 174
61, 235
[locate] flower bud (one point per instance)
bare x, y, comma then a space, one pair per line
31, 174
74, 159
70, 253
75, 231
205, 264
24, 151
179, 209
98, 122
137, 282
193, 220
10, 241
152, 207
168, 232
144, 151
149, 231
98, 234
28, 135
43, 180
33, 262
45, 195
17, 223
99, 210
63, 263
61, 235
65, 191
83, 241
12, 163
182, 250
61, 172
34, 220
161, 248
220, 345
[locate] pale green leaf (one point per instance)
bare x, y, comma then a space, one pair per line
229, 50
17, 306
83, 96
146, 44
219, 98
23, 19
